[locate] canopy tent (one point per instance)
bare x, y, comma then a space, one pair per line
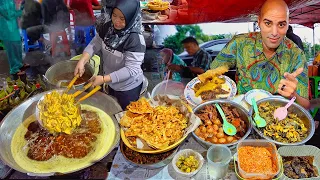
201, 11
306, 16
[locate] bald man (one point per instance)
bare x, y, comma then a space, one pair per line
267, 59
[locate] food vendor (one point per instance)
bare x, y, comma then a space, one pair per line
123, 47
267, 59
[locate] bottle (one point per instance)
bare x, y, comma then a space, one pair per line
38, 90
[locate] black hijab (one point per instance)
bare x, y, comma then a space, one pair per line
112, 37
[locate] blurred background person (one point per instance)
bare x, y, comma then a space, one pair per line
31, 16
295, 38
55, 16
10, 35
83, 10
107, 6
168, 58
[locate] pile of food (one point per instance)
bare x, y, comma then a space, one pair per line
299, 167
159, 126
257, 160
59, 112
290, 130
187, 164
211, 84
211, 129
158, 5
9, 98
141, 158
43, 145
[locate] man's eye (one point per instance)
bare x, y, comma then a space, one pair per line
282, 24
267, 23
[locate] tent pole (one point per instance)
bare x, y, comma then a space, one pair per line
314, 42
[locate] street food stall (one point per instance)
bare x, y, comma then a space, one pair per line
201, 128
205, 132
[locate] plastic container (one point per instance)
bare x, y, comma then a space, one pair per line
186, 153
218, 157
275, 155
171, 88
279, 176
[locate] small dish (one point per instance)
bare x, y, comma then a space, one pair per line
163, 17
187, 153
257, 94
304, 150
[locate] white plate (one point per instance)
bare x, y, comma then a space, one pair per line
306, 150
257, 94
189, 94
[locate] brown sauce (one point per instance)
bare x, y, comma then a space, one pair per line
43, 145
142, 158
69, 76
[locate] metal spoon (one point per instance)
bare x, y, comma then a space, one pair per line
282, 112
260, 122
228, 128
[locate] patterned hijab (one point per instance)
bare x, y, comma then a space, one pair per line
112, 37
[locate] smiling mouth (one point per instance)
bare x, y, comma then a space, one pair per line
274, 39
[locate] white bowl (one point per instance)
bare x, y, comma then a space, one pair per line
257, 94
186, 153
163, 17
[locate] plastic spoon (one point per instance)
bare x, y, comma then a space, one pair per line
260, 122
228, 128
282, 112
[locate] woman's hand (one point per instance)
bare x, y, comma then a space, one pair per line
97, 80
79, 69
81, 63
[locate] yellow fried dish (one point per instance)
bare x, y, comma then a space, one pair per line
211, 85
59, 113
159, 129
213, 73
140, 107
290, 130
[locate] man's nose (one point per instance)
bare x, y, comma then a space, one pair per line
274, 31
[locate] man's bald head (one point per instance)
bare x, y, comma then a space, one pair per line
273, 22
275, 5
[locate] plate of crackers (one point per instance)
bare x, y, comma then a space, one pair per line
210, 85
156, 125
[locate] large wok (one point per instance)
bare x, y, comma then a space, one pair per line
16, 116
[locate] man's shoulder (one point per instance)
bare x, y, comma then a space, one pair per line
290, 46
246, 36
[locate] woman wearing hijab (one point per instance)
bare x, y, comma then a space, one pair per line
10, 35
168, 58
123, 47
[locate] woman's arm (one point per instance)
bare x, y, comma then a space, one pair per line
93, 47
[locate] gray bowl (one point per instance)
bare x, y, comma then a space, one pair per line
157, 165
294, 108
243, 114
